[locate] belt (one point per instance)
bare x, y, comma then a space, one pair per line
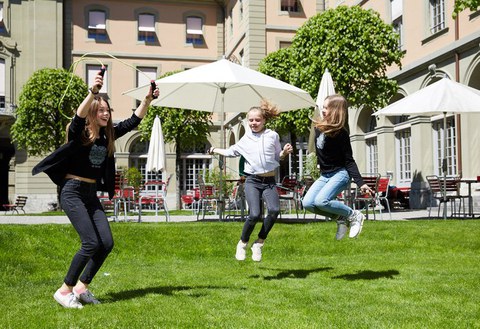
263, 179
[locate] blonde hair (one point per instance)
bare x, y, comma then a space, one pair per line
337, 118
91, 133
267, 109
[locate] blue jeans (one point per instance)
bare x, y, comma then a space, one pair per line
258, 190
80, 202
321, 197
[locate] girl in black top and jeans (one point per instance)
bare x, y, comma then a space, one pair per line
337, 166
81, 167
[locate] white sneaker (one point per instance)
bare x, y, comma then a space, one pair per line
257, 251
342, 227
68, 300
356, 223
241, 253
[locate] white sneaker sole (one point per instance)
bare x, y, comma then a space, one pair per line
359, 230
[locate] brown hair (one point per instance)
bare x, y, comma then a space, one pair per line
267, 109
336, 121
90, 134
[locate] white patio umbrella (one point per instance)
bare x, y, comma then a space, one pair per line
223, 86
156, 153
326, 88
444, 96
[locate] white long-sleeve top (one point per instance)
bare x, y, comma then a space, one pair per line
260, 150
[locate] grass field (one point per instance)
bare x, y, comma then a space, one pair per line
398, 274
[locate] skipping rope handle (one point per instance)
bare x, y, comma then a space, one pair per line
153, 86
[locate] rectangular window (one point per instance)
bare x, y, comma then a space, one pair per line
372, 154
191, 167
403, 152
439, 146
2, 84
290, 6
437, 15
97, 28
144, 77
92, 71
194, 31
146, 28
2, 19
284, 44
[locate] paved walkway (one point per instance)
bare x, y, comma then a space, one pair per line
25, 219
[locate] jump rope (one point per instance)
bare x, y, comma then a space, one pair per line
102, 72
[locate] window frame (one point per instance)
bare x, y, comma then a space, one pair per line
146, 34
437, 16
97, 32
195, 39
438, 145
91, 71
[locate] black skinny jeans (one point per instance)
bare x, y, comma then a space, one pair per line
80, 202
257, 190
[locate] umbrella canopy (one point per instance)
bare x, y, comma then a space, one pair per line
444, 96
223, 86
325, 89
156, 148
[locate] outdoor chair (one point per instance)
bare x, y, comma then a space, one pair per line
19, 204
208, 201
452, 194
365, 200
381, 194
155, 198
288, 193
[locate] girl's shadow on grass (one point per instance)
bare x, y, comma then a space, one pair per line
293, 274
368, 275
162, 290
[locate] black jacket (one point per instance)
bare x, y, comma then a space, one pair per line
54, 165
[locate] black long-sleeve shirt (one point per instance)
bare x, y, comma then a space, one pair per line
334, 153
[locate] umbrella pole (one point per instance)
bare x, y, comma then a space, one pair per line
222, 138
444, 165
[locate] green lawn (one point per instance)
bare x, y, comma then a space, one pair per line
398, 274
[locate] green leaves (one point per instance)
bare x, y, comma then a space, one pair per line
46, 104
461, 5
356, 46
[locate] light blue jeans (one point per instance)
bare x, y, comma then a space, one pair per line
321, 197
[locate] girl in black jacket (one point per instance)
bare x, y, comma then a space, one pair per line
81, 167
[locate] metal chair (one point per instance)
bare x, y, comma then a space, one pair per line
365, 200
288, 191
208, 201
452, 194
381, 194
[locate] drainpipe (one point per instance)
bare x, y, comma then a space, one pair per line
457, 79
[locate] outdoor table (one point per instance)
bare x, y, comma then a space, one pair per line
470, 181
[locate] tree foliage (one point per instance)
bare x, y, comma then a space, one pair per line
47, 102
461, 5
356, 46
279, 66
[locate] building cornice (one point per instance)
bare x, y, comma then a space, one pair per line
461, 45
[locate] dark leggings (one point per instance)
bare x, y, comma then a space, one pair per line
80, 202
257, 191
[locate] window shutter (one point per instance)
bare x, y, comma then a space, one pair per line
96, 20
146, 23
194, 25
